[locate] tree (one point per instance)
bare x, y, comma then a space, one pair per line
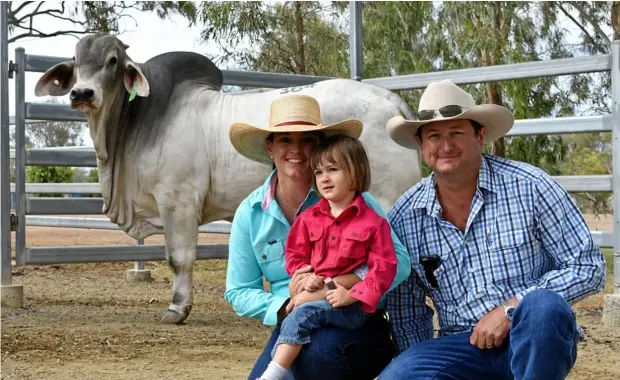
291, 37
49, 174
84, 17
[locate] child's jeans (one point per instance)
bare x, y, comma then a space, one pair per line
299, 324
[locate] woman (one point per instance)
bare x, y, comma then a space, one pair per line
256, 247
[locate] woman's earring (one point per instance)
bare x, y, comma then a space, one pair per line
271, 158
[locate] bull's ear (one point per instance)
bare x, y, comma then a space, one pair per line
57, 81
133, 74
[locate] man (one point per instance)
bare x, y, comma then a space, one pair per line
498, 245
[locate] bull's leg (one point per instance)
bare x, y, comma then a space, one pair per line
181, 231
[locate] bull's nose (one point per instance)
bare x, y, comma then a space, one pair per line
82, 94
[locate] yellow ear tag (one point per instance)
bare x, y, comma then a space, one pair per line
134, 90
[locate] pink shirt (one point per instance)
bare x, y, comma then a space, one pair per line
336, 246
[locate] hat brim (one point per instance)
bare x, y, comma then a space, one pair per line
496, 119
250, 141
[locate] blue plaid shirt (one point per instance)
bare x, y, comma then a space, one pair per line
523, 233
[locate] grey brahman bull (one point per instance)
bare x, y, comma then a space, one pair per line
160, 133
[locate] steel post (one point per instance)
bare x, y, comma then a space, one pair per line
355, 40
20, 156
5, 186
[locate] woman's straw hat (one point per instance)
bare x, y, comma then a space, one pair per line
292, 113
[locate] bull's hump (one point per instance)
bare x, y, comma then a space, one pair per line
180, 66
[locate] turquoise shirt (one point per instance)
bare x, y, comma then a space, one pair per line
256, 249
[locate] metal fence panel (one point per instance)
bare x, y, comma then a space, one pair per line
561, 125
61, 188
108, 254
59, 206
52, 112
103, 223
615, 148
61, 157
20, 156
5, 196
554, 67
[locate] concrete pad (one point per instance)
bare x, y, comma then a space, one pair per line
611, 310
13, 296
139, 275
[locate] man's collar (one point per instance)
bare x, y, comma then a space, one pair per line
428, 196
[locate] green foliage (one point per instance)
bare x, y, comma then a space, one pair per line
93, 176
49, 174
289, 37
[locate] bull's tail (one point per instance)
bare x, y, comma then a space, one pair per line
404, 108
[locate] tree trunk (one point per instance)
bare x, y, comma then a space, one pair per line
493, 94
299, 31
615, 19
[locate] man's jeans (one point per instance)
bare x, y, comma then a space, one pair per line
337, 353
542, 344
303, 320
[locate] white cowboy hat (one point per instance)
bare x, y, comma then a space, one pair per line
292, 113
444, 100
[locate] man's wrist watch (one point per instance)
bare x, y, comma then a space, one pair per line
509, 310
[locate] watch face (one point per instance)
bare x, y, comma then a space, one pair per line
510, 311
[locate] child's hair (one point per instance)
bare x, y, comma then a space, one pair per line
349, 154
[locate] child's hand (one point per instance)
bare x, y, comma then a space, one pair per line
314, 283
339, 297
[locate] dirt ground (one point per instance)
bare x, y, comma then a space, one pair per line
85, 321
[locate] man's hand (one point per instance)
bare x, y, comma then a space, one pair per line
297, 282
313, 283
492, 329
304, 297
340, 296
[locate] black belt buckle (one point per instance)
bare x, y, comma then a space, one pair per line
430, 264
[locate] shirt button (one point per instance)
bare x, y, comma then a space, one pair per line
471, 270
354, 233
264, 256
333, 238
337, 223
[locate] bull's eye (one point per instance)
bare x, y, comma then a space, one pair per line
112, 61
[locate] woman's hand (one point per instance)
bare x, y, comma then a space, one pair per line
298, 280
314, 283
304, 297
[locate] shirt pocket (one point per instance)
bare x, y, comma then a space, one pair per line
270, 256
354, 243
511, 256
315, 234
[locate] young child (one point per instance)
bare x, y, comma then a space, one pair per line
337, 235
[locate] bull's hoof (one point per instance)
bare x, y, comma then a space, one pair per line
173, 317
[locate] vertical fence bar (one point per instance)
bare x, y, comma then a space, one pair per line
20, 156
5, 185
355, 40
139, 265
615, 150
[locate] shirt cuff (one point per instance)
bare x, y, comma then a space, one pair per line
361, 271
271, 316
525, 292
369, 297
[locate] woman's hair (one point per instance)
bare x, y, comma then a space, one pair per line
349, 154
